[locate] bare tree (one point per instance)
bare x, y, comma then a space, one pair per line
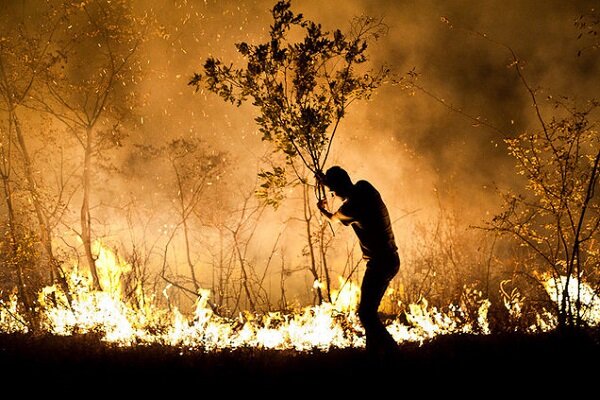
242, 228
241, 277
14, 253
27, 45
91, 90
192, 167
27, 50
555, 215
558, 217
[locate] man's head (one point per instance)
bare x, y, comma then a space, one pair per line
338, 180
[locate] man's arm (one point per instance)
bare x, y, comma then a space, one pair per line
321, 206
338, 215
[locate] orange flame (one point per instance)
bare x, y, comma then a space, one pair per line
325, 326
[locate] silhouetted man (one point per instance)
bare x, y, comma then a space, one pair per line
365, 211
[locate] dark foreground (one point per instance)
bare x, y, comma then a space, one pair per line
543, 362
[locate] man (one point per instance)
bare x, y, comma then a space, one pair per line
365, 211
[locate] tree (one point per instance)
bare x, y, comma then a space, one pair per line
555, 216
28, 43
90, 89
239, 281
558, 218
301, 89
193, 166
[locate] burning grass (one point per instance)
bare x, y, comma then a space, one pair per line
136, 320
100, 335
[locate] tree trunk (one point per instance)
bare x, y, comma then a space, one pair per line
45, 232
86, 234
323, 251
245, 279
14, 246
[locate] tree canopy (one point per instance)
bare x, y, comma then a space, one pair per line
302, 89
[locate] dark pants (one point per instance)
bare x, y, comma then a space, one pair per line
379, 273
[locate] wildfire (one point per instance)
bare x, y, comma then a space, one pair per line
584, 295
325, 326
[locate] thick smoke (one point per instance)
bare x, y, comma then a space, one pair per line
422, 155
397, 139
420, 148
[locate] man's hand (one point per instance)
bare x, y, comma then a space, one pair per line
322, 204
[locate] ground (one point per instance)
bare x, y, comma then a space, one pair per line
448, 364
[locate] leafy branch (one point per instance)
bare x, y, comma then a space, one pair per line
302, 89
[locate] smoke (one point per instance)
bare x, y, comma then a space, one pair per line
418, 152
423, 148
455, 64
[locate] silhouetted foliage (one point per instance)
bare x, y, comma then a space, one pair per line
302, 89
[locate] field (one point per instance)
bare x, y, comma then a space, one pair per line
540, 363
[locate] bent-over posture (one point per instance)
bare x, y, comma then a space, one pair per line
364, 210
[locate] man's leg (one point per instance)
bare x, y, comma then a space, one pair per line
375, 282
370, 296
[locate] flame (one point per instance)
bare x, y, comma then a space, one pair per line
110, 268
139, 319
589, 300
347, 297
10, 319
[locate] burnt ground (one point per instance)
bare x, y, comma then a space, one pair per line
474, 366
